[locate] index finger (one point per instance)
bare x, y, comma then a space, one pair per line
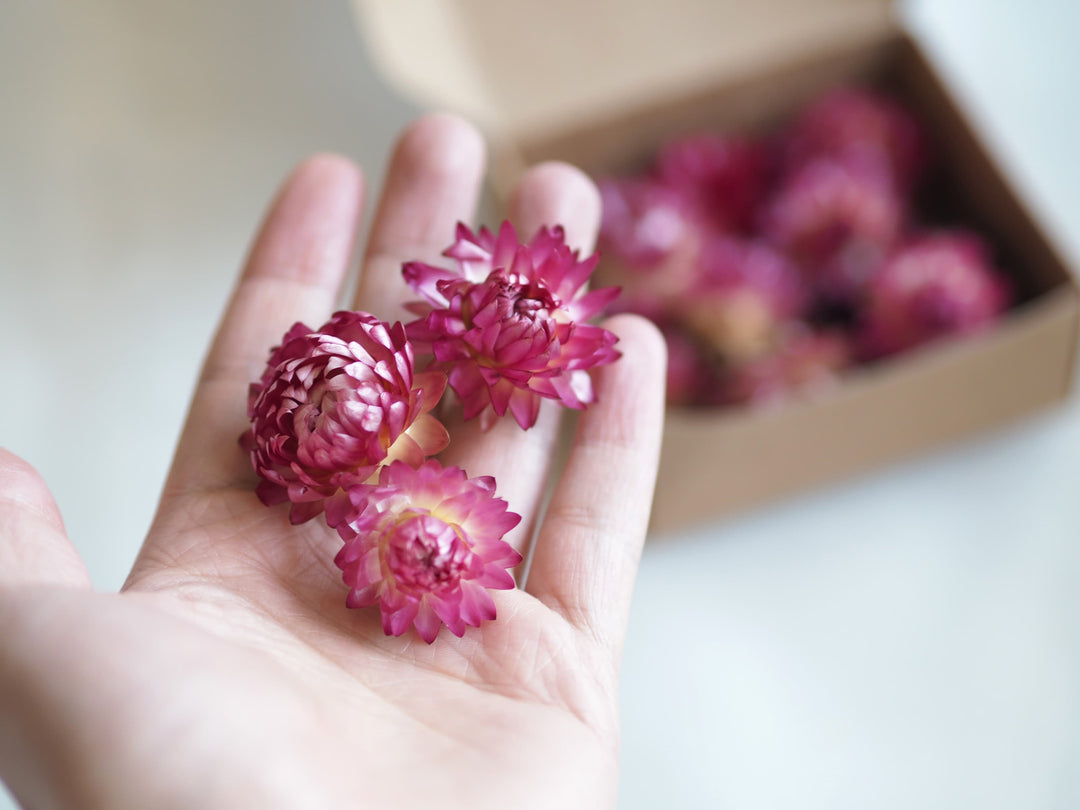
294, 272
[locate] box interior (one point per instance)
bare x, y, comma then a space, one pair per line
718, 461
963, 188
749, 77
602, 84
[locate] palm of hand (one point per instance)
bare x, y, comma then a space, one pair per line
228, 673
283, 698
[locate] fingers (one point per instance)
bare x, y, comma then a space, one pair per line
549, 194
587, 552
295, 272
34, 548
433, 182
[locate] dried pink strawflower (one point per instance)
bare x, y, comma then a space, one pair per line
425, 545
650, 238
508, 322
834, 210
852, 122
333, 405
725, 177
688, 369
745, 293
938, 284
643, 222
805, 362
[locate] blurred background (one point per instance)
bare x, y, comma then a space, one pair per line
911, 639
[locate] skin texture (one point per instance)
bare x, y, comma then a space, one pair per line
228, 673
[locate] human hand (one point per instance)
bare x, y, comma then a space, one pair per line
228, 673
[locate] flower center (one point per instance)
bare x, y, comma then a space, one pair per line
311, 417
531, 300
425, 554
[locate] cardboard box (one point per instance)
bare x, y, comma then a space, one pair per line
603, 84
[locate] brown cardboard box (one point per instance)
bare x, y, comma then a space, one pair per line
601, 84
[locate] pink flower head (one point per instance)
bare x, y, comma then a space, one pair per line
851, 122
725, 177
332, 406
424, 545
508, 322
804, 361
650, 238
746, 291
688, 370
938, 284
643, 222
834, 210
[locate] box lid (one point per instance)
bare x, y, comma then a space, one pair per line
533, 68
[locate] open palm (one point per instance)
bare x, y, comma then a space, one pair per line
228, 672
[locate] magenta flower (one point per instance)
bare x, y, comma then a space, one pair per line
643, 221
688, 371
938, 284
745, 293
332, 406
836, 211
425, 545
508, 322
650, 237
804, 361
726, 178
855, 123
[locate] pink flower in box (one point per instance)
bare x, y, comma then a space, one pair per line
805, 361
650, 238
745, 292
937, 284
724, 177
688, 370
856, 123
833, 213
643, 221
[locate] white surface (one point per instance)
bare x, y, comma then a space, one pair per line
911, 640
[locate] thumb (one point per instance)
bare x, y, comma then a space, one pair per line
34, 547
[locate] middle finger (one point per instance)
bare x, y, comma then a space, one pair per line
433, 182
549, 194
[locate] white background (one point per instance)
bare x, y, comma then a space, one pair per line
908, 640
